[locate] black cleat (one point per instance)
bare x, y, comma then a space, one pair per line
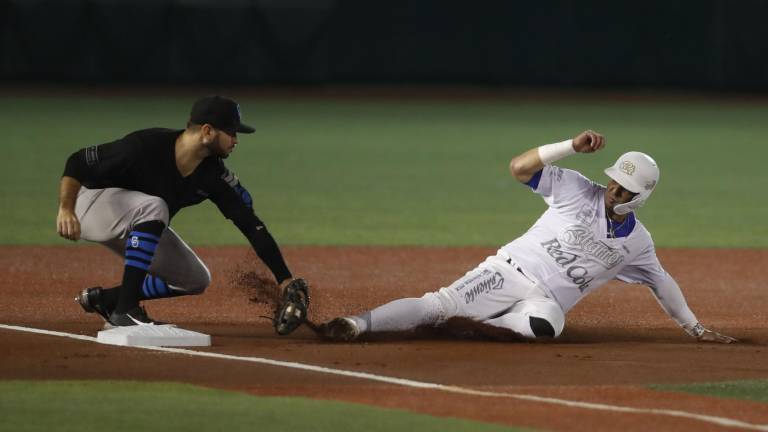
135, 316
90, 299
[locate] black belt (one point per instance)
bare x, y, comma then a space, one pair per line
509, 261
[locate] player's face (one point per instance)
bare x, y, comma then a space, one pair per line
223, 144
616, 194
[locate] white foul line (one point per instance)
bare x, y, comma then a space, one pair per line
721, 421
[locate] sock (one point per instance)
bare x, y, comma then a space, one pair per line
139, 251
154, 288
109, 297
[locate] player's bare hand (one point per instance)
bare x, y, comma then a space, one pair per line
67, 224
712, 336
588, 141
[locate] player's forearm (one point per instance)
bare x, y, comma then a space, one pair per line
671, 299
524, 166
266, 248
68, 189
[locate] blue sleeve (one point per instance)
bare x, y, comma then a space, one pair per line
533, 183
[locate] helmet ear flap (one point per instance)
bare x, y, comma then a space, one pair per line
629, 207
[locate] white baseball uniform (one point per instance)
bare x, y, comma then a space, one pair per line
570, 251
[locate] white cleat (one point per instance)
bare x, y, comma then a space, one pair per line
342, 329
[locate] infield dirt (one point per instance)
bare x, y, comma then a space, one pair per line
615, 341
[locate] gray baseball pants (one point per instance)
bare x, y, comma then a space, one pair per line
108, 215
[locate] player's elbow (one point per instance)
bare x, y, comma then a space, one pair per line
519, 170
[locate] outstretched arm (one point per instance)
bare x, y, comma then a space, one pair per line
671, 299
235, 203
524, 166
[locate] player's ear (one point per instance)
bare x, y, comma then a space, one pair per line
207, 132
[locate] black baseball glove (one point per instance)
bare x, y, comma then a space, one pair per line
292, 310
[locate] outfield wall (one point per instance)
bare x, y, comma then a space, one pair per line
704, 44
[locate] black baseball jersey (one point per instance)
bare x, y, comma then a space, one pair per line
145, 161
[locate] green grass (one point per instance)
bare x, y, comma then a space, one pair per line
745, 390
422, 173
83, 406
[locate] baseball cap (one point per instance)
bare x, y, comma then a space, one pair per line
220, 112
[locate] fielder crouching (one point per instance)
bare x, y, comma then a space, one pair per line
588, 236
123, 194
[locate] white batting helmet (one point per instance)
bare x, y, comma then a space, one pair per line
638, 173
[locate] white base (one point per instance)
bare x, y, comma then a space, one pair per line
153, 335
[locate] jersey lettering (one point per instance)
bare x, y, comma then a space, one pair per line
581, 237
561, 257
490, 282
579, 275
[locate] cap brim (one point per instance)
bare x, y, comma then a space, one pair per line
245, 129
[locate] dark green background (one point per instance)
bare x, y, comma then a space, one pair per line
412, 171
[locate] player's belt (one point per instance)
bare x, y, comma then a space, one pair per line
517, 267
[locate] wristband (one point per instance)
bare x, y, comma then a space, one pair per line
696, 330
553, 152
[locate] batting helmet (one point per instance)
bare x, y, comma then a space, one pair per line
638, 173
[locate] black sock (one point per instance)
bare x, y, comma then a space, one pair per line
139, 251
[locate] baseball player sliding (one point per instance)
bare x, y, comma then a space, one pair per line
123, 195
588, 236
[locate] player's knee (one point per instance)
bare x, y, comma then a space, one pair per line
152, 209
541, 327
545, 318
200, 281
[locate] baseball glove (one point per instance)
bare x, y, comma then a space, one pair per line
292, 310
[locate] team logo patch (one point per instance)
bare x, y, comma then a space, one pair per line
627, 167
650, 185
135, 241
92, 155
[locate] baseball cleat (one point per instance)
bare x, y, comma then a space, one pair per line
90, 299
135, 316
343, 329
